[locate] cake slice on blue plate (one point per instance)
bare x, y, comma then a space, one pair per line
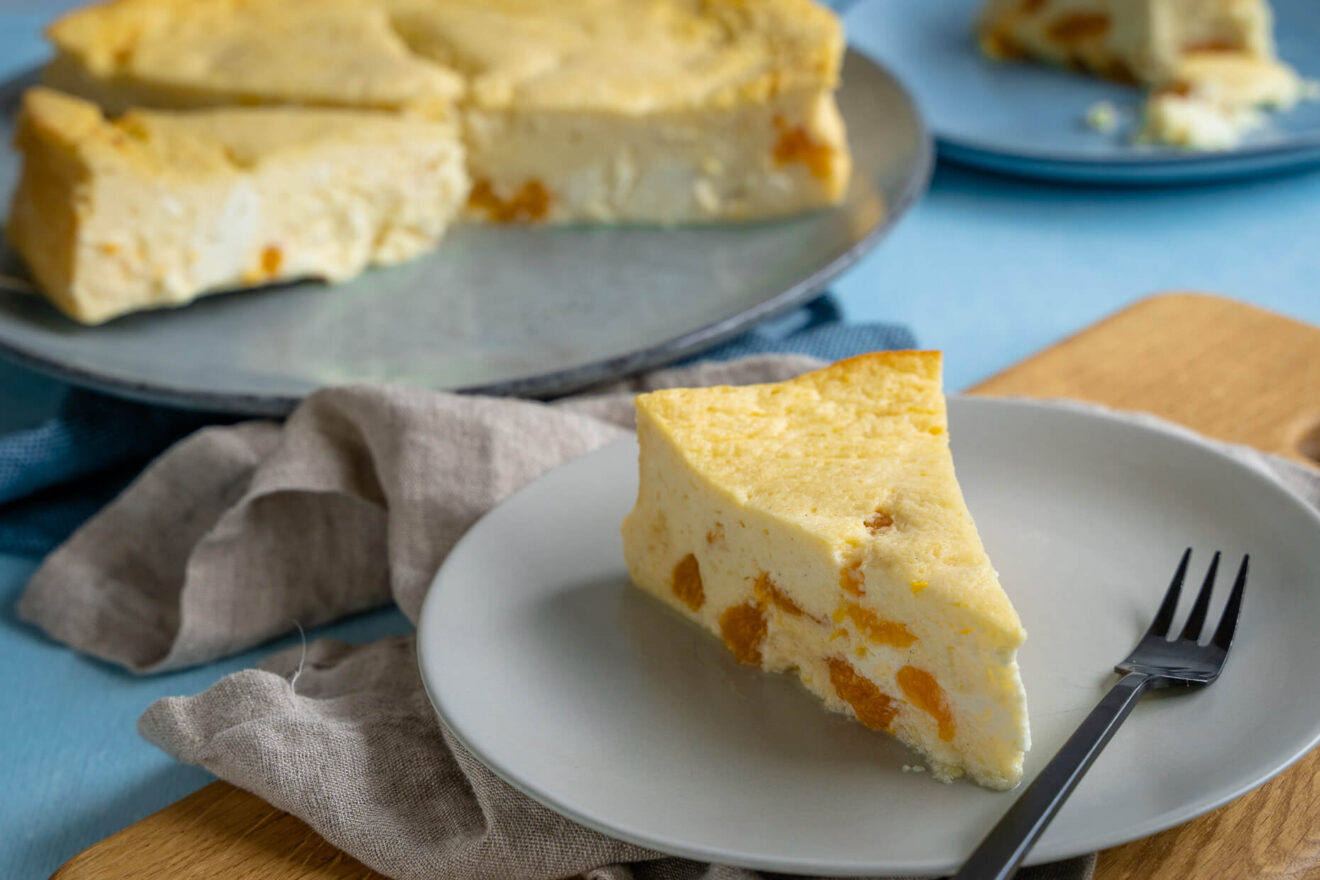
1210, 64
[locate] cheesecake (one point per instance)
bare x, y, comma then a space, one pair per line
1218, 98
155, 208
1210, 65
816, 526
599, 111
187, 146
1134, 41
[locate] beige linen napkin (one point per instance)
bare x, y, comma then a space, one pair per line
236, 532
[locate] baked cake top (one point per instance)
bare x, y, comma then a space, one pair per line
857, 456
627, 56
194, 144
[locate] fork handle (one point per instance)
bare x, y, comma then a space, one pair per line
999, 855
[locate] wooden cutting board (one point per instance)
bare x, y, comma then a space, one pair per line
1226, 369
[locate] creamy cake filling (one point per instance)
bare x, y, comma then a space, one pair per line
753, 161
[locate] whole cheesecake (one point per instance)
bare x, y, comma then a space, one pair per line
572, 111
816, 526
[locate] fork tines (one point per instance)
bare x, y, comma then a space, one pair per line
1191, 632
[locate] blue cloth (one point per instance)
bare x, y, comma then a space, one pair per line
54, 476
57, 474
816, 329
988, 269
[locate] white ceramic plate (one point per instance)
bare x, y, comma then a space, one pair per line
605, 705
500, 310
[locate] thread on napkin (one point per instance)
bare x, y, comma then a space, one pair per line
355, 500
55, 475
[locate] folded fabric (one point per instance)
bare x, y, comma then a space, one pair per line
96, 444
237, 532
387, 783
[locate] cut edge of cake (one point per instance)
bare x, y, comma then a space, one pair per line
765, 160
156, 208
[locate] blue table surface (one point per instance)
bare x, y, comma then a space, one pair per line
988, 269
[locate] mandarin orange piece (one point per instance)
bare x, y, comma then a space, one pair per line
877, 628
687, 584
925, 693
743, 628
271, 258
873, 707
530, 203
795, 145
852, 580
766, 591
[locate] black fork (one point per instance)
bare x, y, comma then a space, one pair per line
1157, 661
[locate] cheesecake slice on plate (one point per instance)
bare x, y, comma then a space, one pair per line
155, 208
1210, 64
816, 526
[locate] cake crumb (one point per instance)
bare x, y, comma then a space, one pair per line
913, 768
1195, 122
1102, 116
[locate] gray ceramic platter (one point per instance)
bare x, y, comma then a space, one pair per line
534, 311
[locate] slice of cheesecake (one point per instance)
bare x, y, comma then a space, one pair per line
1210, 63
1138, 41
155, 208
610, 111
816, 526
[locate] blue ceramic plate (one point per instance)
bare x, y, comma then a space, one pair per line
1029, 120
